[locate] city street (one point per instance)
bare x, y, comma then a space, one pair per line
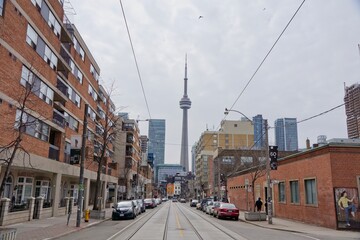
178, 221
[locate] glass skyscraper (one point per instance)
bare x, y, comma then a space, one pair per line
259, 131
156, 144
286, 135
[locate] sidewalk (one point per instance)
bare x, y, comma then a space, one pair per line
53, 227
299, 227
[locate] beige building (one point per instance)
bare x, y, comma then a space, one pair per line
232, 135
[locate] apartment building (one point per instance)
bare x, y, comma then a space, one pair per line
352, 109
49, 81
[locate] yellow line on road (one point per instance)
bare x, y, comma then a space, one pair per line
178, 223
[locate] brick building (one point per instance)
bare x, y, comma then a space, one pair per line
307, 185
48, 76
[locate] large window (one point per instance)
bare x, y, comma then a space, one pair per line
294, 191
1, 7
73, 96
48, 16
282, 192
71, 122
38, 87
92, 92
310, 192
24, 189
43, 189
33, 39
78, 48
75, 70
94, 72
32, 126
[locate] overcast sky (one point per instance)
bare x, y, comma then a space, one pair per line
303, 76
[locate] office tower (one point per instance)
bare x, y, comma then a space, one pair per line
156, 144
185, 104
352, 108
286, 136
259, 131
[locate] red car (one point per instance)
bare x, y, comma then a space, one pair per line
226, 210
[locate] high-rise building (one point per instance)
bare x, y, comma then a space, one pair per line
286, 136
156, 144
259, 131
193, 157
49, 80
185, 104
352, 108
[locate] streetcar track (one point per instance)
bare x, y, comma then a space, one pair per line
228, 234
150, 215
190, 223
166, 224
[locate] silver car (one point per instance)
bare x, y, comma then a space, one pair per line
137, 208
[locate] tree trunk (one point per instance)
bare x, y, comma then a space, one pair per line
8, 165
98, 185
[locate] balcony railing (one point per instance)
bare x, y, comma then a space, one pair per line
58, 118
54, 152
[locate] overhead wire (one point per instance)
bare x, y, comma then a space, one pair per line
268, 53
135, 59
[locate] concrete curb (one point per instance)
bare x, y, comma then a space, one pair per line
274, 228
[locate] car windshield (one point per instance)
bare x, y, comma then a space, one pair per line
195, 201
124, 204
228, 205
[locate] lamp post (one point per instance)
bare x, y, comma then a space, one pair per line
268, 181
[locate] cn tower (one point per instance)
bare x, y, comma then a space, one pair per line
185, 104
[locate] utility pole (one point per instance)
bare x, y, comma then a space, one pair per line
269, 198
82, 160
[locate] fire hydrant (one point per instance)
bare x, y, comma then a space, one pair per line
87, 215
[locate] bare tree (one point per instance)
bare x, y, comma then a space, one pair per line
25, 100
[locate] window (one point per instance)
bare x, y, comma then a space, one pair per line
310, 192
48, 16
235, 125
43, 189
33, 39
1, 7
78, 48
94, 72
282, 193
67, 152
32, 126
38, 87
91, 114
71, 122
75, 70
73, 96
294, 191
24, 189
92, 93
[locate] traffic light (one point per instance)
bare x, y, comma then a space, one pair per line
273, 152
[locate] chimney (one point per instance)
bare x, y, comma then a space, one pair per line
308, 143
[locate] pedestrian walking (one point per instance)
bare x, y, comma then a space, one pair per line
258, 204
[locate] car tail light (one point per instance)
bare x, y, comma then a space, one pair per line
223, 210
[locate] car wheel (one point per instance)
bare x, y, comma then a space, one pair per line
133, 216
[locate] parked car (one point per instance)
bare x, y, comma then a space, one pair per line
209, 202
203, 202
137, 207
142, 205
164, 199
174, 200
198, 206
149, 203
125, 209
182, 200
226, 210
216, 204
209, 206
194, 202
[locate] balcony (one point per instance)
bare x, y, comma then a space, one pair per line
58, 118
54, 152
128, 162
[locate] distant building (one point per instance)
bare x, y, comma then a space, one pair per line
144, 143
156, 144
259, 131
162, 171
352, 108
286, 136
193, 157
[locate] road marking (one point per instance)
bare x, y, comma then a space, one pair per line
178, 223
303, 235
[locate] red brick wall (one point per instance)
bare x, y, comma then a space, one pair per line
330, 166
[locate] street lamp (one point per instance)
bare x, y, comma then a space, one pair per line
269, 203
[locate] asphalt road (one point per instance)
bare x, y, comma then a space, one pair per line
176, 221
